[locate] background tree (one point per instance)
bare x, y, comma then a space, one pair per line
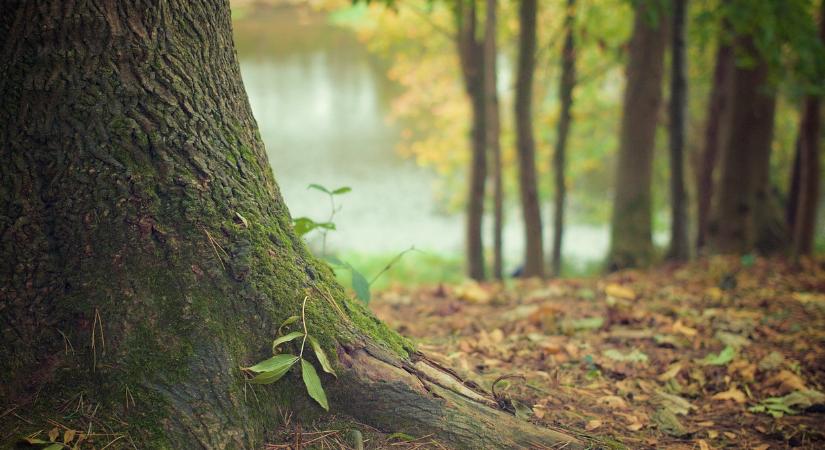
528, 186
630, 230
804, 191
717, 107
679, 249
566, 85
493, 124
148, 253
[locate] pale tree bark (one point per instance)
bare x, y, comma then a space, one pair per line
806, 170
743, 207
715, 133
471, 57
528, 186
566, 85
493, 124
630, 231
679, 250
148, 253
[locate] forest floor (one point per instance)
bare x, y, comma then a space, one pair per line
721, 353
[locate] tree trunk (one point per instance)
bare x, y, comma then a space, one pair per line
630, 234
806, 171
678, 250
148, 254
744, 188
471, 56
493, 132
715, 132
534, 247
566, 85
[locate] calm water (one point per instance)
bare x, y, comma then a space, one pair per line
321, 103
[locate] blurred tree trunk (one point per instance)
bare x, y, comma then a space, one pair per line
630, 234
533, 258
148, 254
715, 132
471, 56
493, 133
566, 85
804, 192
745, 212
679, 250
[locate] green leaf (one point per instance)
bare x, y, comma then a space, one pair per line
286, 338
322, 357
335, 261
361, 286
274, 363
723, 358
276, 369
313, 384
318, 187
400, 437
54, 447
341, 190
289, 321
303, 225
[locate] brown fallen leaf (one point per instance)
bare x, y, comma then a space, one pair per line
613, 401
787, 381
703, 445
619, 291
593, 424
679, 327
670, 373
731, 394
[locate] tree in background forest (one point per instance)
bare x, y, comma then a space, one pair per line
679, 250
566, 84
715, 129
471, 56
493, 123
747, 213
630, 229
148, 253
526, 147
805, 179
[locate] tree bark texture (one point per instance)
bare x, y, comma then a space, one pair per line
679, 249
715, 134
471, 57
807, 171
744, 201
630, 233
148, 253
528, 186
493, 123
566, 85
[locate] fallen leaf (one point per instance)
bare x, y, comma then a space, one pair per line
679, 327
619, 291
731, 394
671, 372
702, 444
787, 380
593, 424
613, 401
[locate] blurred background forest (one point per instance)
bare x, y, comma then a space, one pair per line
685, 134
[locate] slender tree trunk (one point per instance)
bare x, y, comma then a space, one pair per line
534, 247
807, 171
744, 188
715, 132
566, 85
679, 250
148, 254
630, 234
493, 132
471, 56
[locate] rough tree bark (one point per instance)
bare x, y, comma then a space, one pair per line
744, 189
566, 85
806, 171
493, 124
679, 250
528, 187
148, 254
471, 57
715, 132
630, 232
